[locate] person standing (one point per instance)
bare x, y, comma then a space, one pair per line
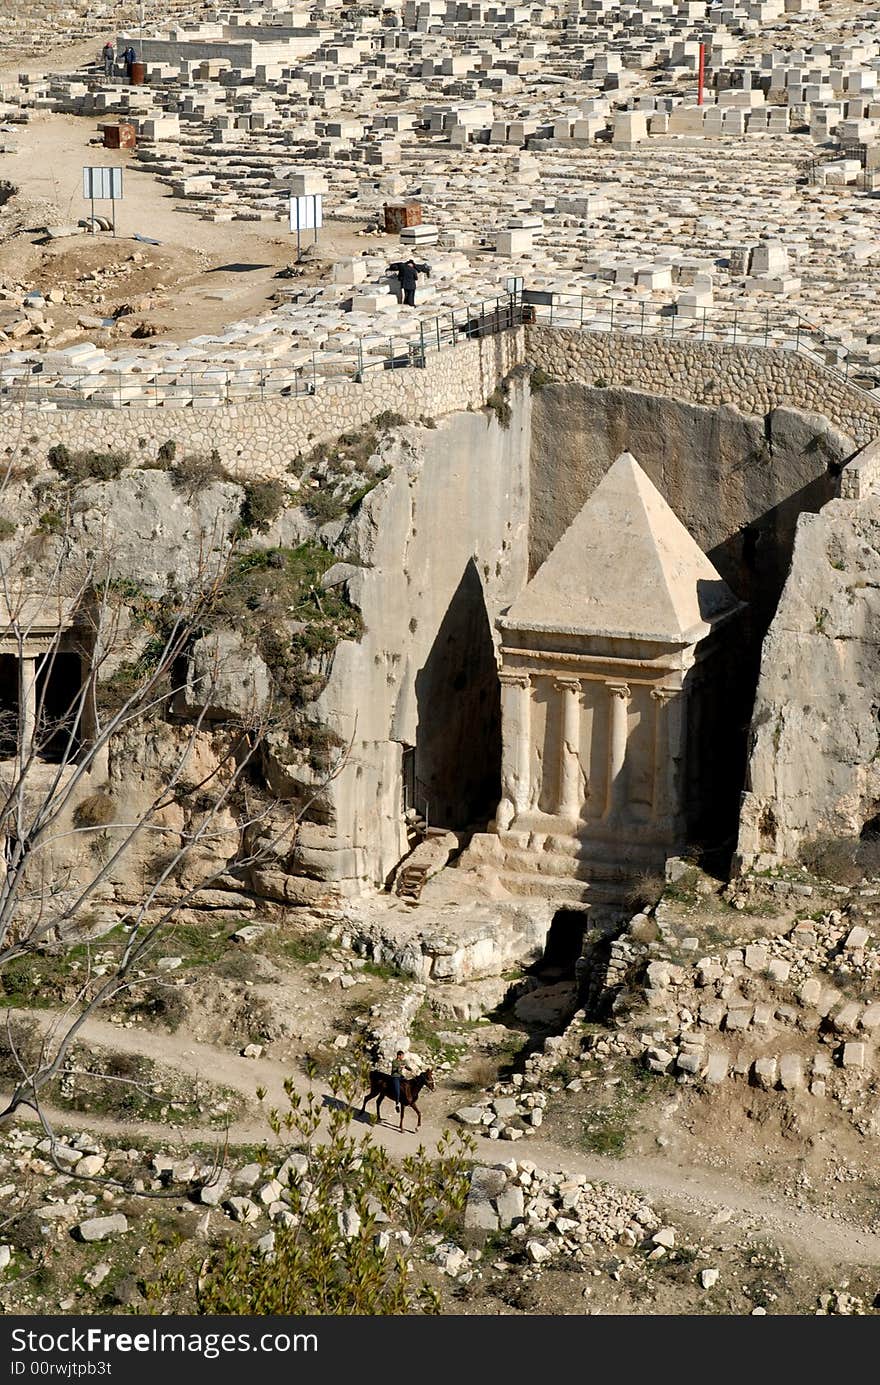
108, 57
128, 57
408, 272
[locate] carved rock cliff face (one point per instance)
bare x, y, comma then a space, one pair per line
437, 551
814, 762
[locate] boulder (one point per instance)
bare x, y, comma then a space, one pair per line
102, 1228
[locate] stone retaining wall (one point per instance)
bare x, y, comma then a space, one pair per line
753, 379
260, 440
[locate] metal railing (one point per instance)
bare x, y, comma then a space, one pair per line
224, 382
722, 323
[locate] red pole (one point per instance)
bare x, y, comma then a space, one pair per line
702, 73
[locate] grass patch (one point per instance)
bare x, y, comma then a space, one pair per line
608, 1128
303, 947
267, 590
129, 1086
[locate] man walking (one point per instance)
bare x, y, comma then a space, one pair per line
408, 272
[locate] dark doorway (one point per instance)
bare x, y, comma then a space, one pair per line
59, 682
564, 943
458, 696
8, 706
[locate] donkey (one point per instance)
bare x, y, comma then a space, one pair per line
381, 1087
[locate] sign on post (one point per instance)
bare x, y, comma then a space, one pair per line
102, 185
306, 214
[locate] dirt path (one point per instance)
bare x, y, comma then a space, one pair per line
214, 272
822, 1239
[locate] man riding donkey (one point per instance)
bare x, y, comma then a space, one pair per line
401, 1085
398, 1070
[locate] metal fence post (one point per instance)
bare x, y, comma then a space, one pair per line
314, 375
611, 321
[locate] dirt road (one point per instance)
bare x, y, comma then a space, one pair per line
822, 1239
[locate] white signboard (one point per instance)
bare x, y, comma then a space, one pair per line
306, 213
102, 184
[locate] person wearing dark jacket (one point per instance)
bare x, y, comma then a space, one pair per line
129, 57
408, 272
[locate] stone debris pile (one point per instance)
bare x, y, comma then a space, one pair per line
797, 1010
563, 1215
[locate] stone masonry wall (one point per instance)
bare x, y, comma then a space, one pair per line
754, 379
259, 440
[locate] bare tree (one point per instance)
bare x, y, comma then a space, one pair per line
55, 739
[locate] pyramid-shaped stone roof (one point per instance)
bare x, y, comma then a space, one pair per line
625, 567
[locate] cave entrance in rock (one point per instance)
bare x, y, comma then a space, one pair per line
456, 765
59, 687
564, 945
53, 700
8, 706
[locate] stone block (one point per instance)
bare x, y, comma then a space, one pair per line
716, 1066
755, 957
870, 1020
779, 970
857, 938
854, 1054
766, 1072
102, 1228
791, 1072
689, 1062
738, 1017
845, 1019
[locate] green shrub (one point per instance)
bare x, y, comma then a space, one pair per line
262, 504
86, 465
500, 406
331, 1260
197, 470
539, 379
51, 522
325, 504
389, 418
167, 452
7, 528
98, 810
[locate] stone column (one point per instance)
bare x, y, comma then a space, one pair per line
516, 747
27, 704
569, 798
615, 802
662, 805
